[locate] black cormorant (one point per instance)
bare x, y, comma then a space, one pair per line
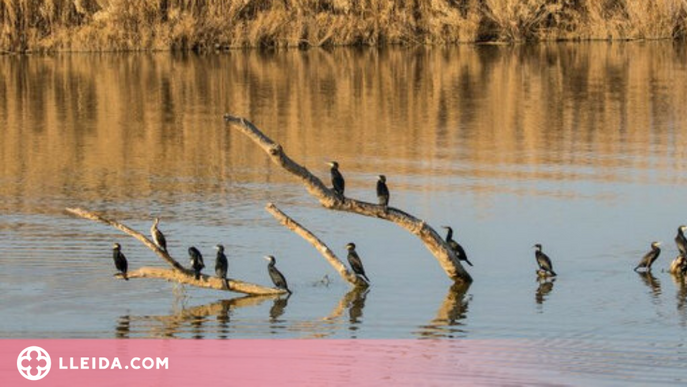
382, 191
120, 260
649, 258
338, 182
196, 261
455, 246
276, 276
355, 262
158, 236
221, 265
681, 241
543, 260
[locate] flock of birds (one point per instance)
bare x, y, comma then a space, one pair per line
678, 265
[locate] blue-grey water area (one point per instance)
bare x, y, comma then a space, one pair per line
579, 147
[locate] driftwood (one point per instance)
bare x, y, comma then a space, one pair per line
326, 252
328, 199
178, 273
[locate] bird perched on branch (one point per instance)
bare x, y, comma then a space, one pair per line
338, 182
120, 260
543, 261
679, 265
355, 262
455, 246
196, 261
221, 266
158, 236
382, 191
649, 258
277, 277
681, 241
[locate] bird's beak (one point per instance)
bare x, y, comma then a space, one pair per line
266, 258
658, 243
330, 164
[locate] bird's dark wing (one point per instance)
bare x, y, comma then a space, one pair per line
277, 278
161, 240
356, 263
681, 245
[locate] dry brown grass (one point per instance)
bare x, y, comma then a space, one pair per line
184, 24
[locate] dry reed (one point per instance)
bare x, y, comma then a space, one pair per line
114, 25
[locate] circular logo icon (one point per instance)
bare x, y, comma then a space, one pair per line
33, 363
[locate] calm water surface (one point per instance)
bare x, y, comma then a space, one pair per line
579, 147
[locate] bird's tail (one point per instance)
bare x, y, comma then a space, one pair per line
197, 275
553, 273
470, 263
365, 277
225, 283
126, 278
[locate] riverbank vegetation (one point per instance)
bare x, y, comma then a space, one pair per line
116, 25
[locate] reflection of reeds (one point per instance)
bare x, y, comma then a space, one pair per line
177, 24
502, 113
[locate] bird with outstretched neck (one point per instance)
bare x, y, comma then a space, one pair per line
649, 258
338, 182
221, 266
543, 260
455, 246
277, 277
382, 191
158, 236
355, 262
196, 261
120, 260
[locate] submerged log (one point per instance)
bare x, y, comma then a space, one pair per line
326, 252
328, 199
178, 273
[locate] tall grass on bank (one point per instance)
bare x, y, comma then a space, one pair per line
185, 24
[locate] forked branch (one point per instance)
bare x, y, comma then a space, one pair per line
178, 273
328, 199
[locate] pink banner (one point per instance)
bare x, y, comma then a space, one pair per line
259, 362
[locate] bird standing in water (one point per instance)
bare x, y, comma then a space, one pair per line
382, 191
455, 246
277, 277
196, 261
222, 266
120, 260
355, 262
543, 260
338, 182
158, 236
681, 241
649, 258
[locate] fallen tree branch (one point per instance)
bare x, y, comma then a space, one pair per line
326, 252
328, 199
205, 281
178, 273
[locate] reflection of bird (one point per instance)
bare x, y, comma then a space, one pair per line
196, 261
276, 276
543, 260
278, 307
382, 191
158, 236
221, 265
681, 241
120, 260
649, 258
545, 287
355, 310
338, 182
355, 261
455, 246
652, 282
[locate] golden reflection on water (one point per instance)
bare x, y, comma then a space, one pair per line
117, 126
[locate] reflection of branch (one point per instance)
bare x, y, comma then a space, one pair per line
326, 252
452, 310
348, 299
431, 239
545, 287
194, 316
178, 273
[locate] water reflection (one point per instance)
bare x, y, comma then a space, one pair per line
680, 296
188, 321
544, 289
449, 318
652, 283
278, 306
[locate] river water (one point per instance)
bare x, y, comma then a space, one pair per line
579, 147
